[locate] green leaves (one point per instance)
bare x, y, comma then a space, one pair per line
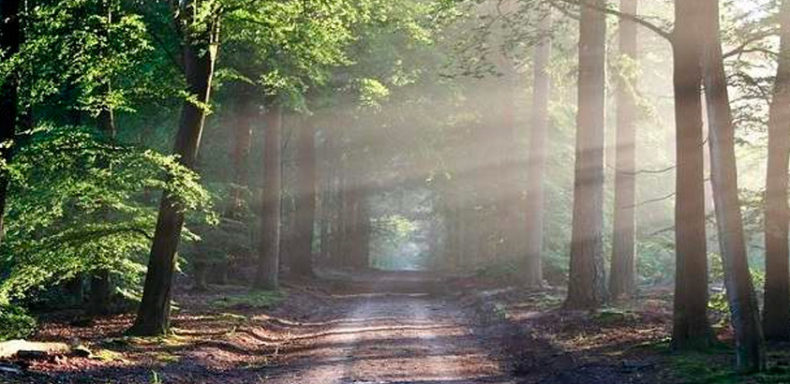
80, 202
80, 46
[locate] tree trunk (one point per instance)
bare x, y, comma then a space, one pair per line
587, 281
301, 262
346, 214
750, 350
690, 322
776, 310
537, 157
10, 39
199, 54
247, 113
622, 281
101, 293
269, 260
101, 287
362, 235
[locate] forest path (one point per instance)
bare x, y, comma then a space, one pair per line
393, 334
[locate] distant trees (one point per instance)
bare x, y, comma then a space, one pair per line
539, 127
301, 262
269, 247
587, 285
246, 116
199, 50
622, 281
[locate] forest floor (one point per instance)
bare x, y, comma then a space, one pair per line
386, 328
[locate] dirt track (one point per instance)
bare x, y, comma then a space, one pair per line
393, 338
360, 328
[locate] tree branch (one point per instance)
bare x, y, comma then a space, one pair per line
625, 16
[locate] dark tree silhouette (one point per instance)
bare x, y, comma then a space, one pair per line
750, 351
776, 310
199, 56
690, 325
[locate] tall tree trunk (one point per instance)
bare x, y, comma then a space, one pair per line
622, 281
246, 114
750, 350
10, 40
776, 310
536, 189
587, 282
199, 54
269, 259
690, 322
101, 288
301, 262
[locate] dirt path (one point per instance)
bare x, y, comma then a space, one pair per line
365, 328
393, 338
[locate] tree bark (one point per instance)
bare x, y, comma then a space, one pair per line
750, 350
587, 282
690, 322
537, 157
776, 310
301, 262
269, 259
10, 40
199, 54
622, 283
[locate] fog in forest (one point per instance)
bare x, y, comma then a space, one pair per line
375, 191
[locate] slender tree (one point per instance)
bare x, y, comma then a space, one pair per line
691, 328
622, 282
750, 351
539, 127
10, 40
301, 262
101, 289
587, 285
776, 310
199, 51
269, 249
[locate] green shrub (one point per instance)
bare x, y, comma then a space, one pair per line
15, 323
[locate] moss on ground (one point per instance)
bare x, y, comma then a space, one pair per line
251, 299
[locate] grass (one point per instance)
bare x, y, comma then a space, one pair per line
108, 355
612, 316
166, 358
715, 366
252, 299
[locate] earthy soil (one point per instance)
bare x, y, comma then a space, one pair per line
374, 328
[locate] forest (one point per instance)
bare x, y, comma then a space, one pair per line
394, 191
